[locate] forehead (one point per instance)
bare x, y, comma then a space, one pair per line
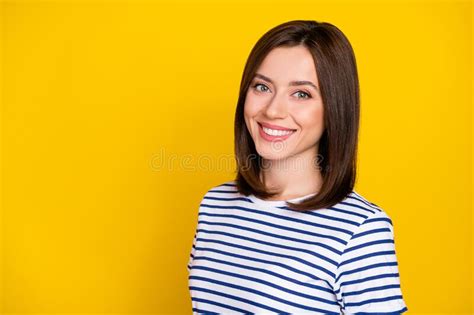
283, 64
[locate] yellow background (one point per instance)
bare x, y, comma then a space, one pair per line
118, 116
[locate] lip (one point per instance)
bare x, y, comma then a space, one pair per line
275, 127
273, 138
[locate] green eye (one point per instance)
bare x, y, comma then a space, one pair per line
304, 93
265, 88
255, 86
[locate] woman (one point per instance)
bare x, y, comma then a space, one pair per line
290, 234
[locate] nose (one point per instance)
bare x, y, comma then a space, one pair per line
276, 108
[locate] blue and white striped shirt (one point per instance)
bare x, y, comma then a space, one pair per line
251, 255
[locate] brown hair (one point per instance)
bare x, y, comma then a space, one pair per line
339, 85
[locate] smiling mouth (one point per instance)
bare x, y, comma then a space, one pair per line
274, 134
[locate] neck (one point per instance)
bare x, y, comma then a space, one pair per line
294, 176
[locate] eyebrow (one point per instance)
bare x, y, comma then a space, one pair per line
292, 83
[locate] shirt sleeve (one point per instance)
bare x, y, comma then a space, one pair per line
193, 248
191, 254
367, 279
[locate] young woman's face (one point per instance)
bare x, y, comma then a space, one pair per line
283, 110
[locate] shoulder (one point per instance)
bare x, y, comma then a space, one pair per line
365, 212
228, 185
223, 196
367, 262
223, 189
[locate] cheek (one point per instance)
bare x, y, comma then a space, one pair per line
312, 119
251, 107
248, 113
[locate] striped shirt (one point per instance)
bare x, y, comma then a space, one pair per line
251, 255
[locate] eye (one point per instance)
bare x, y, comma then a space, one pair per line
304, 93
265, 88
255, 86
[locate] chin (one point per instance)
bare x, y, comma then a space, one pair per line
272, 155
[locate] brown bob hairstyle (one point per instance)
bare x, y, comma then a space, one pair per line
339, 85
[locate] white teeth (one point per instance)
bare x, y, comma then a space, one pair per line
273, 132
